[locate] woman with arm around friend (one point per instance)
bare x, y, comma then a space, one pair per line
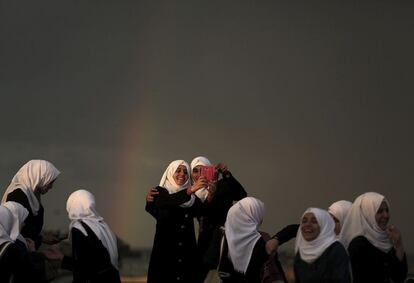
375, 248
320, 257
174, 256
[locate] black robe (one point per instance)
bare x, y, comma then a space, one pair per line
90, 261
174, 256
254, 271
371, 265
10, 262
331, 267
33, 224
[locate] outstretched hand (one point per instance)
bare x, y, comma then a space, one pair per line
150, 196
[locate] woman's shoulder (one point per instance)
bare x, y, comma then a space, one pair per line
336, 249
359, 241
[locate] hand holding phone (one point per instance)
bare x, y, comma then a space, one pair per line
210, 173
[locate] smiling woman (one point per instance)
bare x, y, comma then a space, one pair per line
174, 255
320, 258
375, 247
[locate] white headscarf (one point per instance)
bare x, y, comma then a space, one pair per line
340, 210
312, 250
81, 207
241, 228
361, 222
35, 173
20, 214
167, 180
6, 225
202, 194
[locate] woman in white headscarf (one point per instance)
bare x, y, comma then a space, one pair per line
339, 210
375, 247
218, 197
10, 255
174, 255
35, 178
247, 254
320, 257
94, 246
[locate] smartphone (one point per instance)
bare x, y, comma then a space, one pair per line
210, 173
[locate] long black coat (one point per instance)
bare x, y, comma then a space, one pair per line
371, 265
174, 256
90, 261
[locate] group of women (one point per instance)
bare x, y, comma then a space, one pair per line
94, 255
348, 242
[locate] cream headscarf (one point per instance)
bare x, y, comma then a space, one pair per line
361, 222
202, 194
6, 225
241, 228
20, 214
81, 208
312, 250
167, 181
35, 173
340, 210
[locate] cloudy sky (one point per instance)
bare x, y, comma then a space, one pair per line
306, 103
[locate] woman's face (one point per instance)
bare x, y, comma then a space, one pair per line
43, 190
181, 175
382, 216
196, 173
309, 227
337, 229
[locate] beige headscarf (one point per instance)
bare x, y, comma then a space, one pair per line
81, 207
35, 173
361, 222
340, 210
202, 194
20, 214
243, 221
312, 250
167, 180
6, 225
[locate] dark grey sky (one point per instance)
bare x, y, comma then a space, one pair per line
306, 103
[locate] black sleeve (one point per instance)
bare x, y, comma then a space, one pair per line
236, 189
164, 198
151, 209
398, 269
20, 197
287, 233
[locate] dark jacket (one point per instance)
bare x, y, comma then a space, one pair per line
331, 267
90, 261
371, 265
